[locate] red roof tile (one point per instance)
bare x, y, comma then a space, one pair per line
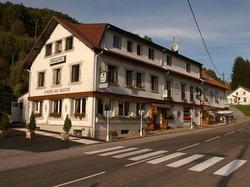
205, 76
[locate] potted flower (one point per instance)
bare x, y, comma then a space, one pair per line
31, 127
4, 125
113, 135
66, 128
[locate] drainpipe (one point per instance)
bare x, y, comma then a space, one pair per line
29, 95
94, 89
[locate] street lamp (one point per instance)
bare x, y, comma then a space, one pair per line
191, 122
107, 113
141, 112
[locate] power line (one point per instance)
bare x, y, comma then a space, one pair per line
202, 38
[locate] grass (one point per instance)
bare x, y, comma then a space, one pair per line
245, 109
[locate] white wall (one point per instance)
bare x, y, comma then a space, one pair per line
238, 95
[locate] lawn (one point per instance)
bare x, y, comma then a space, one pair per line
244, 109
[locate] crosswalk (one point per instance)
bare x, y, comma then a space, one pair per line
154, 157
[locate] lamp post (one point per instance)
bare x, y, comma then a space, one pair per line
141, 112
191, 122
107, 113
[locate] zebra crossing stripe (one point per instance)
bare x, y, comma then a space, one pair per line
185, 161
206, 164
104, 150
119, 151
147, 155
165, 158
230, 168
132, 153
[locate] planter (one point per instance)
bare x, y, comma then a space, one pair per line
151, 126
164, 126
113, 135
30, 134
3, 133
64, 136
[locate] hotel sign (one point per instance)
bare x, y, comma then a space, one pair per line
57, 60
58, 90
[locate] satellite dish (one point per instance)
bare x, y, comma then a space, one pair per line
174, 47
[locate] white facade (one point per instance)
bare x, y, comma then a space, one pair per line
68, 83
240, 96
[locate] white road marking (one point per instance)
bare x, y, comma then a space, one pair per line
132, 153
248, 127
147, 155
144, 160
185, 161
214, 138
165, 158
241, 129
119, 151
104, 150
188, 146
230, 168
230, 133
80, 179
206, 164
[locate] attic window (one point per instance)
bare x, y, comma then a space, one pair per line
48, 49
117, 41
58, 46
69, 43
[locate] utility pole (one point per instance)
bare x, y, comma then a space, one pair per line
223, 77
36, 29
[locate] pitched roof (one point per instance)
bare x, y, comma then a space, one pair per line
209, 80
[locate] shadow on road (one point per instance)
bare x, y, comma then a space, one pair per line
16, 140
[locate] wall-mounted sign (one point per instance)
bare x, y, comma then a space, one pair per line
57, 60
58, 90
103, 77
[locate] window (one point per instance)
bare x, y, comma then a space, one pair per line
129, 79
80, 106
151, 54
129, 46
37, 107
183, 93
75, 73
168, 88
69, 43
48, 49
40, 80
188, 67
56, 106
117, 42
191, 93
139, 80
139, 50
245, 99
169, 60
58, 46
236, 93
154, 83
123, 108
186, 113
112, 74
140, 106
100, 106
56, 76
244, 93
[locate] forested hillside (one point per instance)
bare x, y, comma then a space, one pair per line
19, 28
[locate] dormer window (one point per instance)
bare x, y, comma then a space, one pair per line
48, 49
69, 43
58, 46
151, 54
117, 42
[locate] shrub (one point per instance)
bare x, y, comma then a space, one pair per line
4, 124
32, 124
67, 125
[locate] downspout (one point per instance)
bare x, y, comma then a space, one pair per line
94, 89
29, 95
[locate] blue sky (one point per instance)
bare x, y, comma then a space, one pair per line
224, 23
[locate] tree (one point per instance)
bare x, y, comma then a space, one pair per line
18, 28
148, 38
212, 74
4, 123
32, 123
67, 125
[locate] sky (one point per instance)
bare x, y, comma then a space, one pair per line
224, 24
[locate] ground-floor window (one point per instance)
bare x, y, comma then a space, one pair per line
123, 108
186, 113
80, 107
56, 108
140, 106
100, 106
37, 107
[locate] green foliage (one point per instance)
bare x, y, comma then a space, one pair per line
212, 74
4, 124
17, 36
6, 97
245, 109
241, 73
148, 38
32, 124
67, 124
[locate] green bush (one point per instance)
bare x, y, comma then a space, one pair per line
4, 124
67, 125
32, 123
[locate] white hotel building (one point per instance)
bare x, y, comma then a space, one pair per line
81, 70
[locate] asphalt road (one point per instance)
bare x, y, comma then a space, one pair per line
203, 157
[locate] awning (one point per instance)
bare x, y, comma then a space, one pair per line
224, 112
